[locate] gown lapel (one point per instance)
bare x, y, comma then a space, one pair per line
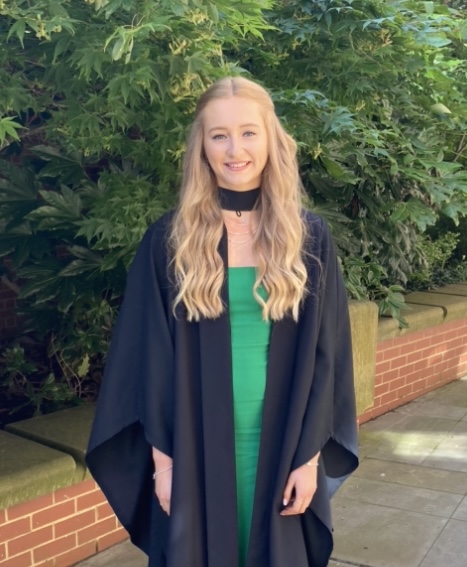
218, 431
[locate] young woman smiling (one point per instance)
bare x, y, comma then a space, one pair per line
228, 396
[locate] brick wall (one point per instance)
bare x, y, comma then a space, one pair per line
58, 529
411, 365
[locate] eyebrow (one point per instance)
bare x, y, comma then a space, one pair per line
249, 125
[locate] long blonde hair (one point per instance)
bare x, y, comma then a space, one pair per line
197, 226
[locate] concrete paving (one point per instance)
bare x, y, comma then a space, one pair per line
406, 505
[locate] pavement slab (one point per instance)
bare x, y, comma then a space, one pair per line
379, 536
451, 453
423, 500
450, 549
433, 409
461, 512
413, 475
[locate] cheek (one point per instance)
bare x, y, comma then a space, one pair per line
211, 151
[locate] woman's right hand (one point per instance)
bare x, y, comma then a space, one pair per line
163, 478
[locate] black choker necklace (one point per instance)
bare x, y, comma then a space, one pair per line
238, 201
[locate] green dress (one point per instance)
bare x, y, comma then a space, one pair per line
250, 347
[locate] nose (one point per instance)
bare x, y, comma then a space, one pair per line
234, 146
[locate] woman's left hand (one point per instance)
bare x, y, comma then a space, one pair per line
302, 483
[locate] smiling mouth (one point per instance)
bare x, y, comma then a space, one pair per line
238, 165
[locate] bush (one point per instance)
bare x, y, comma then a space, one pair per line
95, 101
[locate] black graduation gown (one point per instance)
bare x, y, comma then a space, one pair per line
168, 384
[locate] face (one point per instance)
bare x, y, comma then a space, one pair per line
235, 142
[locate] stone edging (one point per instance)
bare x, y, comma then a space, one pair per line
425, 309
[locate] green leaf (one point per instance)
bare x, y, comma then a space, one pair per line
18, 28
118, 49
8, 127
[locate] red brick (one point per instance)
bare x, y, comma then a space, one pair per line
407, 348
75, 490
383, 367
419, 385
381, 389
75, 523
2, 551
387, 398
405, 391
2, 517
459, 342
450, 335
422, 365
396, 384
391, 353
413, 357
104, 511
27, 508
377, 402
54, 513
111, 539
54, 548
23, 560
391, 375
15, 528
99, 529
90, 500
30, 540
75, 555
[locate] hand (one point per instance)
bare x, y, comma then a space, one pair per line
302, 482
163, 489
163, 480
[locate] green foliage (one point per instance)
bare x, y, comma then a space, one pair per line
374, 92
365, 280
95, 102
436, 265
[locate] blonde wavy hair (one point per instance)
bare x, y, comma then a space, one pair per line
198, 227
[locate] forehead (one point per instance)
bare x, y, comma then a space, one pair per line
231, 113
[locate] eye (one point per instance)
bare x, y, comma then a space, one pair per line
218, 137
249, 133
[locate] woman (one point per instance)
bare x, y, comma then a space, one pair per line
228, 397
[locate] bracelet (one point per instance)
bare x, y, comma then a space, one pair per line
159, 472
310, 464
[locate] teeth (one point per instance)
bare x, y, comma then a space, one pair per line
237, 165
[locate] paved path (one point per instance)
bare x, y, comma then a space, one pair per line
406, 506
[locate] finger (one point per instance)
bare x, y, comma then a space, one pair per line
293, 509
165, 505
288, 492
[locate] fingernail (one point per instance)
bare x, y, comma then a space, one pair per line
285, 502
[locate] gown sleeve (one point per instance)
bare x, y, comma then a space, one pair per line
330, 421
135, 405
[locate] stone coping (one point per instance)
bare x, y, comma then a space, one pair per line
67, 431
28, 470
425, 309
